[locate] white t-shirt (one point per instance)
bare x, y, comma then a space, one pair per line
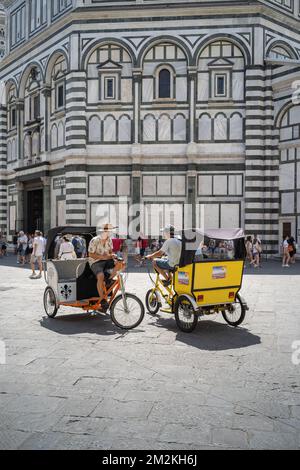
23, 241
172, 248
66, 251
38, 246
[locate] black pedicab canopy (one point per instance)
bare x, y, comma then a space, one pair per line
233, 240
86, 232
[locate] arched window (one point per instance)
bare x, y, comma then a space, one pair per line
12, 112
58, 86
236, 130
164, 128
149, 128
54, 137
205, 128
124, 129
95, 129
164, 85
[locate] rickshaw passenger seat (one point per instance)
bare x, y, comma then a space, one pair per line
86, 284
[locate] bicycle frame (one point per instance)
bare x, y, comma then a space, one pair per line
167, 293
94, 303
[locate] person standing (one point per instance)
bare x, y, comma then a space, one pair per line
22, 245
255, 253
29, 249
38, 247
15, 243
138, 252
117, 246
292, 250
286, 254
79, 246
145, 245
249, 250
2, 245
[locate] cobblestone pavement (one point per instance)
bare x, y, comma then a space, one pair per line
78, 382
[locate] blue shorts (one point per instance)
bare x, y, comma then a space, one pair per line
164, 264
21, 251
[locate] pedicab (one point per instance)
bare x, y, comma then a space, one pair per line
71, 283
207, 281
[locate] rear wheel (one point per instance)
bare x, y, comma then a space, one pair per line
127, 313
185, 315
152, 302
235, 314
50, 302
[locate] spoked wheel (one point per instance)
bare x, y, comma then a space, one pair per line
152, 302
185, 315
50, 303
127, 313
236, 313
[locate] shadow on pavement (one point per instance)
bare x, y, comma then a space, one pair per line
212, 336
79, 324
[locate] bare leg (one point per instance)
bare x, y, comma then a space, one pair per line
100, 286
161, 271
118, 267
33, 268
41, 267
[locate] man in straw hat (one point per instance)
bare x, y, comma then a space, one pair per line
102, 258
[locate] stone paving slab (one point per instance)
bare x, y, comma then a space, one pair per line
78, 382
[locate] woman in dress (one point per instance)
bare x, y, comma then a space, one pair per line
66, 250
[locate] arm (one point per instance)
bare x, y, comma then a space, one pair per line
101, 257
158, 254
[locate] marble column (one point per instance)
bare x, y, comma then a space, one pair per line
192, 80
20, 206
137, 96
46, 204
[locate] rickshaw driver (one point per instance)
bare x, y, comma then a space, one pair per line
165, 260
102, 258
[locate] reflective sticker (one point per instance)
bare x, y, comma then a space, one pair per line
219, 272
183, 278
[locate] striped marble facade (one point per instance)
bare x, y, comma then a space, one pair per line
195, 103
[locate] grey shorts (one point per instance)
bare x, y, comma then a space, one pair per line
164, 264
101, 266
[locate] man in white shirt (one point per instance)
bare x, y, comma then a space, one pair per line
168, 256
37, 255
22, 246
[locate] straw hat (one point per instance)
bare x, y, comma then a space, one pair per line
107, 228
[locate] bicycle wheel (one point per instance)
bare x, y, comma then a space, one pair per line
152, 302
236, 313
185, 315
127, 316
50, 303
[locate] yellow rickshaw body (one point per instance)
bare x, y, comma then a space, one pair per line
210, 282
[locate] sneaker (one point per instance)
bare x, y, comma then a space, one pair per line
166, 283
39, 276
33, 276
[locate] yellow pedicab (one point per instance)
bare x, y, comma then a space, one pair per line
207, 281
